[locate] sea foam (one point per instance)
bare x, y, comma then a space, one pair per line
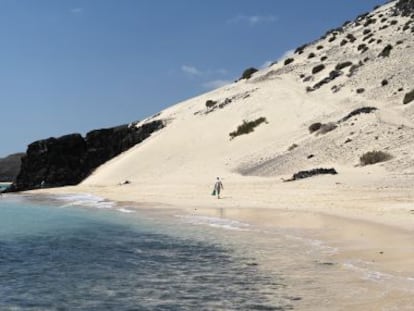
88, 200
215, 222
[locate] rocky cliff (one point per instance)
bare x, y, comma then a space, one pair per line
67, 160
10, 166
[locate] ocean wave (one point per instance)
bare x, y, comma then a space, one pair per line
367, 274
215, 222
392, 281
86, 199
125, 210
320, 245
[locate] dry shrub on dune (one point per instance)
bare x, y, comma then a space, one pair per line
373, 157
314, 127
247, 127
325, 128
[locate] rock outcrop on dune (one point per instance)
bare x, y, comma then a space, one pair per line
67, 160
10, 167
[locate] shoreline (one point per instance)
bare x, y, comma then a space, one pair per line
367, 226
361, 241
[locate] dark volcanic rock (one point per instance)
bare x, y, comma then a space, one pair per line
53, 161
357, 112
312, 172
10, 166
69, 159
409, 97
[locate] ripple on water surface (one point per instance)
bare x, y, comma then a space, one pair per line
93, 261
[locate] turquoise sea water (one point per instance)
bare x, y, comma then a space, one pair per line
57, 256
80, 252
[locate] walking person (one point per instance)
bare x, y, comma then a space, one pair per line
217, 187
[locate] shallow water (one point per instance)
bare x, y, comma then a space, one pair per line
81, 259
80, 252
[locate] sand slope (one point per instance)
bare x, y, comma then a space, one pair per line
195, 146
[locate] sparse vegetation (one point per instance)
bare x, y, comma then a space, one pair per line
405, 7
318, 68
386, 51
373, 157
367, 37
247, 127
362, 16
384, 82
293, 146
323, 58
301, 48
331, 39
366, 31
353, 69
407, 24
409, 97
327, 127
307, 79
343, 65
351, 37
370, 21
357, 112
311, 55
343, 42
248, 73
363, 48
332, 75
312, 172
336, 88
360, 90
314, 127
319, 47
288, 61
210, 103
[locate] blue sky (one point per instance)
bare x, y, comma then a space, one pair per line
73, 66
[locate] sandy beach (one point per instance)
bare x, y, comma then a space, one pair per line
367, 230
374, 224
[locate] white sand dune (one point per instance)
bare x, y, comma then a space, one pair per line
195, 146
